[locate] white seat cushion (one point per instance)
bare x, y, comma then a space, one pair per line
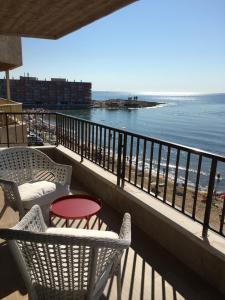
83, 232
41, 192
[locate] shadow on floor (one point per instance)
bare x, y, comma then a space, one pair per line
148, 270
10, 278
151, 272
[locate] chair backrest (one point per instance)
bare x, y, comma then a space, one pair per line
20, 164
56, 266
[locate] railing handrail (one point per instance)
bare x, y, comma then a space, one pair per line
153, 139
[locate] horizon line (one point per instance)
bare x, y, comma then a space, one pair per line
160, 93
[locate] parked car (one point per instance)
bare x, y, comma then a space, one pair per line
53, 142
34, 140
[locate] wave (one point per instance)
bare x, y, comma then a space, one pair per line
157, 106
150, 107
172, 167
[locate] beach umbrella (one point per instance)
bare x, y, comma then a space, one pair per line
222, 196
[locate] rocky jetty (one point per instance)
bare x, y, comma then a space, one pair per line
123, 103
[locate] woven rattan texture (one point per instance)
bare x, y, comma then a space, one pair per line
64, 267
19, 165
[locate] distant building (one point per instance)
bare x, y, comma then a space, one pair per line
58, 93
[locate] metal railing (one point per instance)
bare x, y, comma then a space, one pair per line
185, 178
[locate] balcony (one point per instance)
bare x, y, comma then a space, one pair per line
148, 270
178, 245
12, 128
9, 106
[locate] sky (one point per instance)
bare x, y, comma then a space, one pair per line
149, 46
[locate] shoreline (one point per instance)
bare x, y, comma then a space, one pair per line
182, 197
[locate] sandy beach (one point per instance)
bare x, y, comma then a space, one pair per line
217, 204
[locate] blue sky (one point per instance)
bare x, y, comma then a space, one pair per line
148, 46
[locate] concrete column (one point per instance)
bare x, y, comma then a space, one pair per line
7, 85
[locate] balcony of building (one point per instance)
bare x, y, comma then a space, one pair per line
178, 245
10, 106
12, 127
149, 271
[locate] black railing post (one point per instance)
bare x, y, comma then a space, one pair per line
209, 197
82, 141
7, 129
57, 129
119, 158
124, 159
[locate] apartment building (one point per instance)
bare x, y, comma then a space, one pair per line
55, 93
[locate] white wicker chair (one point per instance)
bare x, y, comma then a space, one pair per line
69, 266
29, 177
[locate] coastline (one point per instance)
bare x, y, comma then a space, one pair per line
183, 198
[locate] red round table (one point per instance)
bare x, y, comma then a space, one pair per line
75, 207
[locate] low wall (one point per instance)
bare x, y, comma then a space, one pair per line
10, 106
174, 231
17, 133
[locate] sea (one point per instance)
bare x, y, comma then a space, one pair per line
191, 120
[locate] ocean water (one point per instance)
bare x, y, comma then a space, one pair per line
194, 120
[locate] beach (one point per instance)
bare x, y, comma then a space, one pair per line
201, 197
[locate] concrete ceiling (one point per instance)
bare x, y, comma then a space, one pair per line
52, 19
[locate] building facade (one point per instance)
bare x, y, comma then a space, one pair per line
57, 93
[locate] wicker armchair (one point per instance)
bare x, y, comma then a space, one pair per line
29, 177
66, 266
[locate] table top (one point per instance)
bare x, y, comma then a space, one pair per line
75, 206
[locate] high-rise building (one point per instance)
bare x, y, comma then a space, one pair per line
55, 93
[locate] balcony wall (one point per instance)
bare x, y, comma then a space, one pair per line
9, 102
10, 106
17, 132
177, 233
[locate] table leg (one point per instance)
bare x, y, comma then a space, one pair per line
67, 222
50, 219
99, 223
87, 223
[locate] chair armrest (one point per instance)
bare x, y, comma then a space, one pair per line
125, 230
12, 196
7, 182
62, 173
32, 221
53, 172
44, 168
